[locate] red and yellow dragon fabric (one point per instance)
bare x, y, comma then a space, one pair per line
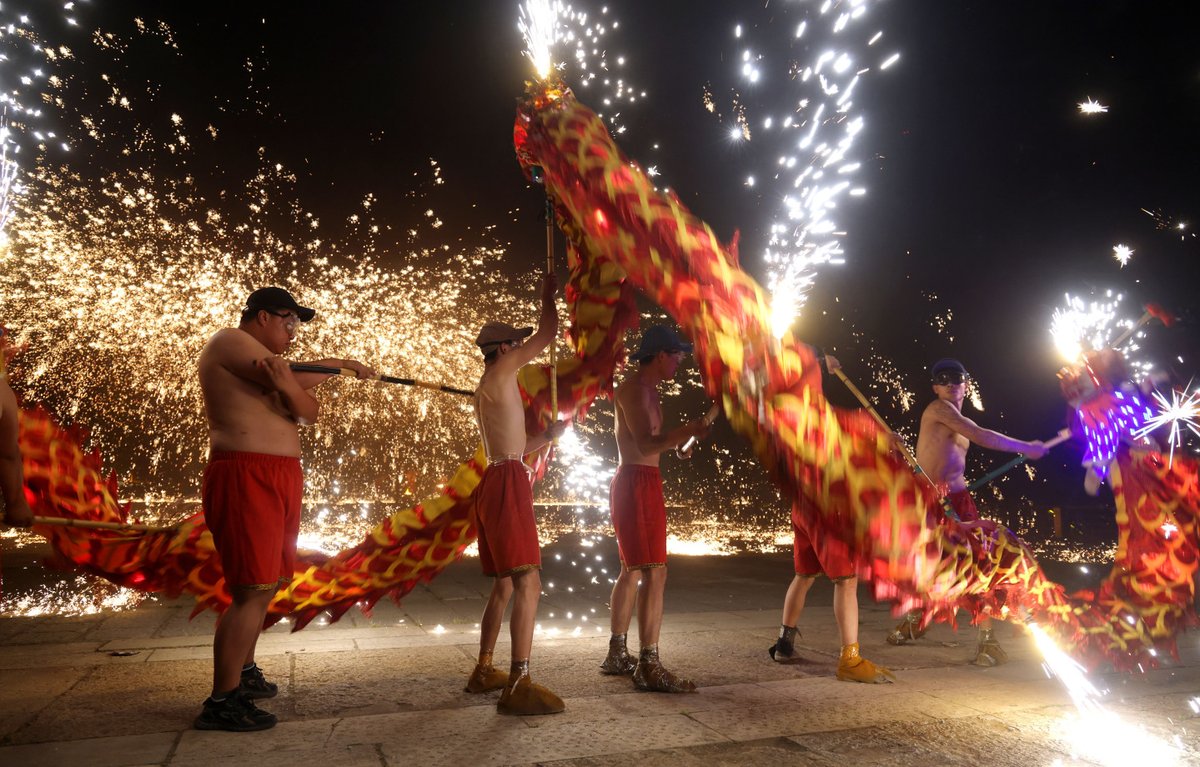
624, 234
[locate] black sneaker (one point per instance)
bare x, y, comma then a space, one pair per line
256, 685
237, 713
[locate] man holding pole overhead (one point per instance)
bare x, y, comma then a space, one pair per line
252, 489
508, 540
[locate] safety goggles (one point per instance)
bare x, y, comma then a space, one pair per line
950, 378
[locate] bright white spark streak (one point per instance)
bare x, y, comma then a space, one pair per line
1091, 107
812, 153
1095, 733
538, 22
1181, 412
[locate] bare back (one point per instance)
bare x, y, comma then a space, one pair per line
499, 412
242, 414
941, 451
637, 410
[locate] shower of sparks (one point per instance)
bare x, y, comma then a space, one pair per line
26, 60
1122, 253
538, 22
586, 475
77, 596
1082, 326
1091, 107
806, 126
115, 280
1095, 733
1180, 412
551, 25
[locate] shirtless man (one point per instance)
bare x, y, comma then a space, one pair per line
508, 539
16, 511
638, 513
252, 489
813, 556
942, 453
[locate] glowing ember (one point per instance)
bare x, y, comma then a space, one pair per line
1091, 107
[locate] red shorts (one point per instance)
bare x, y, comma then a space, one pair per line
252, 507
639, 516
508, 539
964, 506
827, 555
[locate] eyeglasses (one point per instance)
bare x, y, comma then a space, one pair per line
949, 379
291, 320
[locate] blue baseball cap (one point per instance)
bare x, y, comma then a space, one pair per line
661, 338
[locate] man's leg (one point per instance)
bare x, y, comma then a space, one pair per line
649, 673
621, 605
230, 707
989, 652
650, 605
520, 695
845, 609
485, 676
237, 636
527, 590
784, 649
852, 667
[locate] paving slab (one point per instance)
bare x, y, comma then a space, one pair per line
385, 688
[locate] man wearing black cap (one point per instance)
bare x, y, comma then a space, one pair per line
638, 512
508, 540
252, 488
942, 453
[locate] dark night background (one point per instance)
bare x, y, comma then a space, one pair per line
988, 193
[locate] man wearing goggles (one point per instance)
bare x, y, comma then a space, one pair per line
942, 453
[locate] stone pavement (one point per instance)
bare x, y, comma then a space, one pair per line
122, 688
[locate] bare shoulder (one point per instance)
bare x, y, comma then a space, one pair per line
632, 393
939, 410
229, 342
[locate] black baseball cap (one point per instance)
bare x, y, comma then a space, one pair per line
947, 365
278, 298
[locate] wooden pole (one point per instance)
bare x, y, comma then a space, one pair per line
96, 524
301, 367
553, 341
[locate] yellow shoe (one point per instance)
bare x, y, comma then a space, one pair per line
853, 667
522, 697
485, 678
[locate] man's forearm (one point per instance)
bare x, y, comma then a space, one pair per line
994, 440
303, 407
12, 480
